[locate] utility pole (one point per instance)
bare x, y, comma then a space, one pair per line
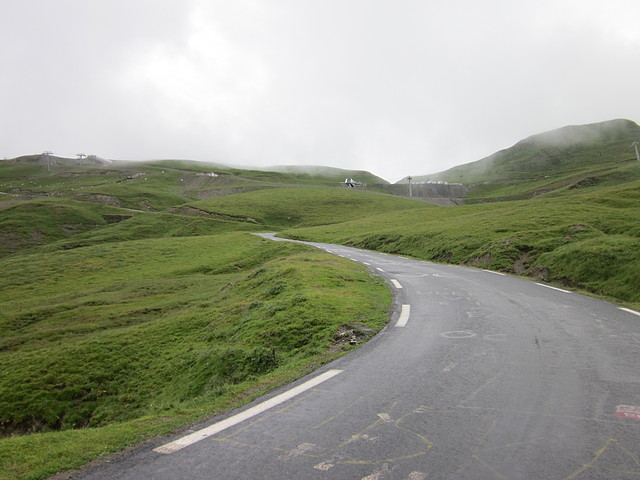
410, 192
48, 154
635, 145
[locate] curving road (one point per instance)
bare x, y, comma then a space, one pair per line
478, 376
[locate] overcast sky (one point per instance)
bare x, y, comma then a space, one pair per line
395, 87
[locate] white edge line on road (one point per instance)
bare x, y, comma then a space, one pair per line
404, 316
553, 288
379, 269
491, 271
396, 283
629, 311
242, 416
367, 264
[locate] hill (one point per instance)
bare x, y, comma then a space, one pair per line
134, 300
40, 204
561, 206
546, 162
328, 173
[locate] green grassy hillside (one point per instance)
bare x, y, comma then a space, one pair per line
586, 238
543, 163
134, 300
130, 307
288, 207
331, 175
134, 337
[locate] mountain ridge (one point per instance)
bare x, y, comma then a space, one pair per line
566, 155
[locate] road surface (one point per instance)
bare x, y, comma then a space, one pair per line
478, 375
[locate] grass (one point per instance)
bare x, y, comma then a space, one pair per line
547, 238
37, 222
112, 333
135, 338
288, 207
549, 161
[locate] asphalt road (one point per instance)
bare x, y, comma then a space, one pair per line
477, 376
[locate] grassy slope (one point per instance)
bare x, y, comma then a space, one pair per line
549, 161
95, 288
565, 239
286, 207
126, 337
112, 333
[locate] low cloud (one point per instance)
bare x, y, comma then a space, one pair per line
398, 88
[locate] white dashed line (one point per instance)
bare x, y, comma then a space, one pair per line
379, 269
404, 316
396, 283
242, 416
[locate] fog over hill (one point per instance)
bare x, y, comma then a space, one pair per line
559, 148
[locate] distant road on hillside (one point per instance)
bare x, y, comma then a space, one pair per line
478, 375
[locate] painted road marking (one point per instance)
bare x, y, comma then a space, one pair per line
396, 283
491, 271
627, 411
367, 264
404, 316
242, 416
553, 288
379, 269
629, 311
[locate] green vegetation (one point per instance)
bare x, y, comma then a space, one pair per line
134, 300
566, 238
557, 207
130, 336
549, 161
130, 307
292, 207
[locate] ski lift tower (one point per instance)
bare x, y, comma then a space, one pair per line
48, 154
410, 192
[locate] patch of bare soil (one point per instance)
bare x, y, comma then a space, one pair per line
104, 199
353, 334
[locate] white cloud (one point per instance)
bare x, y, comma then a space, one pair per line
391, 87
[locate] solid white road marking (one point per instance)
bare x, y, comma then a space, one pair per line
491, 271
553, 288
242, 416
404, 316
396, 283
629, 311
